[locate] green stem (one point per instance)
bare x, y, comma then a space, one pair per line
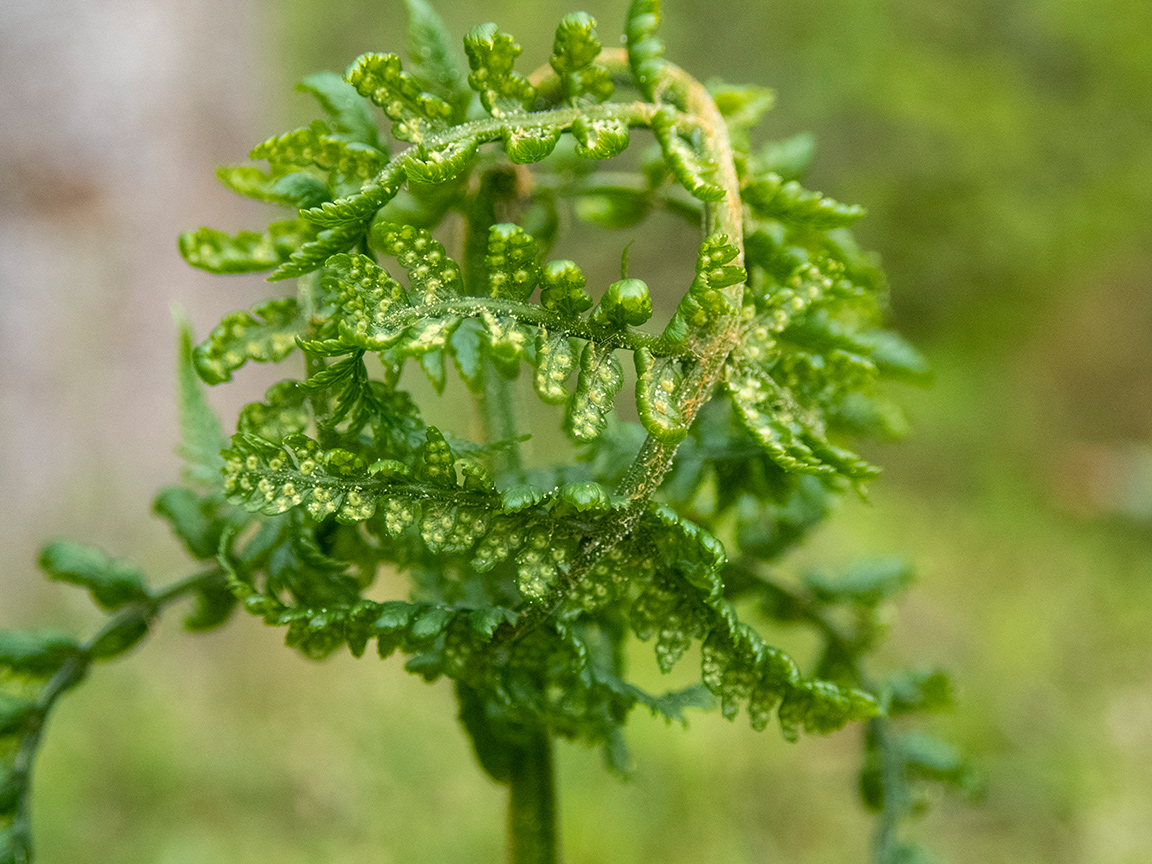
631, 338
532, 837
498, 417
68, 676
492, 204
886, 838
532, 823
314, 364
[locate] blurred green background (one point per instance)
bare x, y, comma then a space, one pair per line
1003, 149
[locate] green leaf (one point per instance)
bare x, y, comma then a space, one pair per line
328, 242
922, 691
512, 261
493, 751
269, 478
437, 460
430, 622
625, 303
201, 437
599, 381
657, 380
282, 413
194, 520
706, 300
266, 334
788, 158
520, 497
15, 714
475, 475
819, 707
486, 621
120, 637
112, 582
447, 528
895, 356
246, 252
465, 348
562, 289
442, 163
573, 58
555, 361
432, 275
214, 606
509, 342
691, 169
13, 786
426, 339
538, 564
788, 435
367, 295
929, 758
36, 653
491, 55
599, 139
526, 145
504, 539
437, 63
416, 115
349, 162
348, 217
345, 107
696, 554
645, 49
615, 208
866, 584
296, 189
772, 198
583, 497
742, 108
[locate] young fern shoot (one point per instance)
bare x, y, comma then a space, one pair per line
528, 582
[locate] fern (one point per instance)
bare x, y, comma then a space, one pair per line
531, 579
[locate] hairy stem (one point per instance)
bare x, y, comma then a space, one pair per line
532, 823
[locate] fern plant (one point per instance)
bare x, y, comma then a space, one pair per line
529, 581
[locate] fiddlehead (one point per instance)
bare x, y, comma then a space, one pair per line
527, 581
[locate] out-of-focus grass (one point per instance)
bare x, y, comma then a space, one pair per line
1002, 148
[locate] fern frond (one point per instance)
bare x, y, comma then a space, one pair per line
267, 334
414, 113
491, 55
346, 109
437, 64
245, 252
645, 48
573, 59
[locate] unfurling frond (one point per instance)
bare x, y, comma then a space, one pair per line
431, 241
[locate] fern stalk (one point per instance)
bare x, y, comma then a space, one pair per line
533, 830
